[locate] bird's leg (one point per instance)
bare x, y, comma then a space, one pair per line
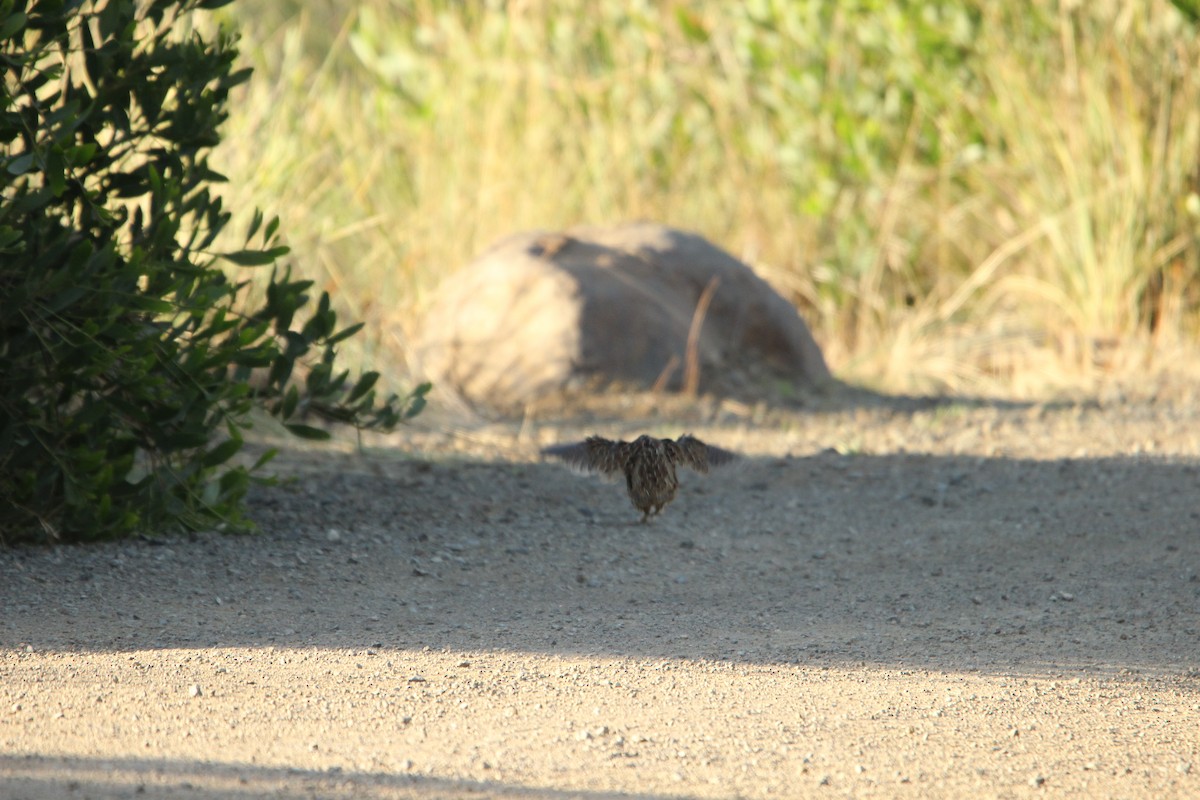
652, 511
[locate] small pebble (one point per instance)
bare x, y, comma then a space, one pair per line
194, 690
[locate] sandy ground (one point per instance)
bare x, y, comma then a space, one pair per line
885, 598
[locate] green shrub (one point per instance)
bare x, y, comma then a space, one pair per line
126, 353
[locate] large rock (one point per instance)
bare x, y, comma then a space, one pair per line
542, 313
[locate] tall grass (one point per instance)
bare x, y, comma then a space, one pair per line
957, 196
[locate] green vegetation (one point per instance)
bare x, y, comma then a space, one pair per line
956, 195
126, 352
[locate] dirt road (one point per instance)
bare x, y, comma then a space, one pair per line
881, 600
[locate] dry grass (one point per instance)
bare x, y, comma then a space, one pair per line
990, 197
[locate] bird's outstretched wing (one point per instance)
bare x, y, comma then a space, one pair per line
688, 451
596, 454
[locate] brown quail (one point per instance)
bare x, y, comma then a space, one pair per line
648, 464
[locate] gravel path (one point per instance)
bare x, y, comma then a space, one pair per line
884, 599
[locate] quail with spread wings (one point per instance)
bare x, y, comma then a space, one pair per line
647, 463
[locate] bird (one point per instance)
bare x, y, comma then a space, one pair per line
648, 464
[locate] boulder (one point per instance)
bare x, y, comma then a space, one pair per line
636, 306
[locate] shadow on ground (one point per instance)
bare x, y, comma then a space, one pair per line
941, 563
121, 778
